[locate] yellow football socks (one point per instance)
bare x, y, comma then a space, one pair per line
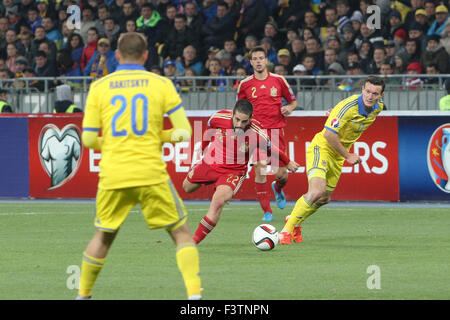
90, 268
188, 263
301, 211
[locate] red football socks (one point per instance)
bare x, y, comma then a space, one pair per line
204, 227
263, 196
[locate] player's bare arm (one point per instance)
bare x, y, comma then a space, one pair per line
335, 142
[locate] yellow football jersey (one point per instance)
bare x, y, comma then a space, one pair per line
349, 120
128, 107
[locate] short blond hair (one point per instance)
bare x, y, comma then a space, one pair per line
132, 45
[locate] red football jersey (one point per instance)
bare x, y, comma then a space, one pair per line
227, 151
266, 96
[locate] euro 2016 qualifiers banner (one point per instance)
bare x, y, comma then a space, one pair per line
404, 158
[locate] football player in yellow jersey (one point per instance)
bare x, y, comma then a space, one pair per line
329, 149
128, 107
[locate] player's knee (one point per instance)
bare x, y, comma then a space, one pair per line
323, 200
315, 195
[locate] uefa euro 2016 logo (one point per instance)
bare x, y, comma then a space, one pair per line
60, 153
438, 157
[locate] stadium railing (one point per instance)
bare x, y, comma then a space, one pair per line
403, 92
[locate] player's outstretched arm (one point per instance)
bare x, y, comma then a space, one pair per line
181, 128
335, 142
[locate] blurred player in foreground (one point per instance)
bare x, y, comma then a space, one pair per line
266, 91
235, 135
329, 149
128, 107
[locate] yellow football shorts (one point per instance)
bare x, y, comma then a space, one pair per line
160, 204
323, 163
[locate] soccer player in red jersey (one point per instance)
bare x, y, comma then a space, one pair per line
234, 135
266, 90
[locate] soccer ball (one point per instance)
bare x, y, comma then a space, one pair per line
265, 237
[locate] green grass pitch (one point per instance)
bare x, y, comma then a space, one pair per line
42, 244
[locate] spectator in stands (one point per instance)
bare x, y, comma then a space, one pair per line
188, 84
112, 32
44, 68
189, 59
25, 39
74, 50
297, 50
435, 54
413, 83
87, 22
103, 62
45, 10
5, 107
216, 71
356, 20
11, 37
128, 13
11, 57
412, 48
311, 21
51, 54
91, 47
288, 14
169, 68
431, 82
23, 6
366, 34
209, 8
421, 17
4, 26
307, 33
169, 17
33, 84
179, 38
444, 103
331, 17
330, 57
430, 9
34, 19
309, 61
348, 40
445, 37
230, 46
284, 58
281, 70
299, 70
219, 28
130, 26
102, 14
386, 70
227, 62
271, 31
439, 23
252, 20
352, 83
390, 51
416, 31
378, 58
395, 24
415, 5
195, 20
314, 47
400, 60
291, 35
266, 43
64, 100
212, 51
151, 23
52, 32
21, 65
365, 54
40, 36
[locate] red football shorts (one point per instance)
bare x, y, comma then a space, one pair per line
276, 136
203, 173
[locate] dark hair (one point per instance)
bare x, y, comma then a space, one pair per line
41, 54
243, 106
257, 49
376, 81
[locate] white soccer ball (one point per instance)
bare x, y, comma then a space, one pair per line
265, 237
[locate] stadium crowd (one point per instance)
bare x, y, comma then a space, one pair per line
39, 38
